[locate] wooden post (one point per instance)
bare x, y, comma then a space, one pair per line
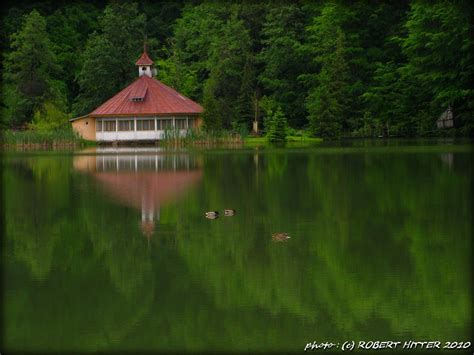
255, 119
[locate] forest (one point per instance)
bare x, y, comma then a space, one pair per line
329, 68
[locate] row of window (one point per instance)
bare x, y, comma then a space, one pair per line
143, 125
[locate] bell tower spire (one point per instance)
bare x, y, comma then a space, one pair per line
145, 64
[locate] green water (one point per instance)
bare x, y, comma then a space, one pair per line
110, 250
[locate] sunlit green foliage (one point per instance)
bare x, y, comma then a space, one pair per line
49, 118
172, 72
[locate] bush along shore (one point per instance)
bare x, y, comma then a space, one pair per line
38, 139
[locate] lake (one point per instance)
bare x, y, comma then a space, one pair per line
108, 249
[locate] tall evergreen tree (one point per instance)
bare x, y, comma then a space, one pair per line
439, 55
69, 27
326, 101
194, 33
276, 127
30, 72
366, 26
110, 54
283, 61
227, 59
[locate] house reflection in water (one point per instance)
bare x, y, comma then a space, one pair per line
145, 179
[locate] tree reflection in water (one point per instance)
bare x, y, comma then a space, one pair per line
380, 248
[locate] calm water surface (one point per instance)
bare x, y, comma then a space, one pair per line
109, 250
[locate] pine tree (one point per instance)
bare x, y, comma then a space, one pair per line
277, 127
227, 60
439, 49
68, 28
283, 60
110, 55
31, 71
326, 101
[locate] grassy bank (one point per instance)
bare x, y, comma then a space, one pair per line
27, 139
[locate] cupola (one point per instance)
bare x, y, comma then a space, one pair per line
145, 64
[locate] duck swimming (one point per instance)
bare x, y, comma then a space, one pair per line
229, 213
212, 214
280, 237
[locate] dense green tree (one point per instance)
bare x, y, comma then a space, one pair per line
429, 74
229, 56
194, 33
110, 54
161, 17
362, 69
31, 72
69, 28
326, 100
367, 28
283, 61
439, 56
173, 72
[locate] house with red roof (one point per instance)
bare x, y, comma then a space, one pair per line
143, 111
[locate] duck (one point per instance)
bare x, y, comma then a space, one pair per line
229, 213
212, 214
280, 237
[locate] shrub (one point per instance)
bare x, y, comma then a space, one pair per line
49, 118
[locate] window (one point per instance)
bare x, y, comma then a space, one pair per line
109, 126
191, 122
98, 126
145, 125
126, 126
165, 124
180, 123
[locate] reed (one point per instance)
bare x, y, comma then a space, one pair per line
201, 138
38, 138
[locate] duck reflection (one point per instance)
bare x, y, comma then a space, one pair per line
142, 178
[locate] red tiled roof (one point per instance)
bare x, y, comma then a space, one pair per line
144, 59
158, 99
